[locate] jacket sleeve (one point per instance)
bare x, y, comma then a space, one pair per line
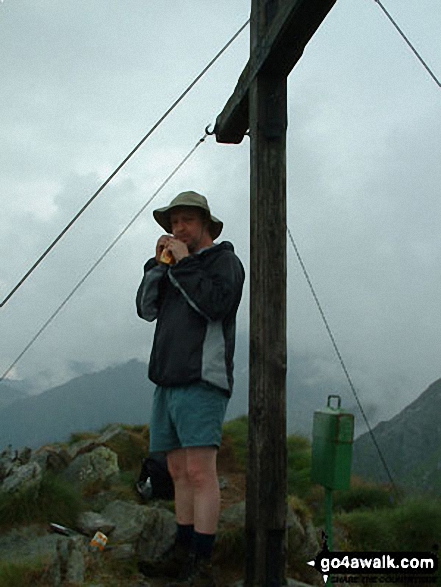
213, 290
147, 298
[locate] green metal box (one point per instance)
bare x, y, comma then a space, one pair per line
332, 439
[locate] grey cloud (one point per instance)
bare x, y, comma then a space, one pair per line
83, 83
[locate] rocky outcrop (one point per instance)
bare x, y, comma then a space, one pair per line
69, 563
134, 531
89, 523
158, 534
23, 479
84, 463
302, 536
93, 467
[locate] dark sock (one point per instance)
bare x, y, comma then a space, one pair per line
203, 544
184, 534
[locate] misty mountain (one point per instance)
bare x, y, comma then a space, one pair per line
410, 443
308, 386
12, 391
123, 394
120, 394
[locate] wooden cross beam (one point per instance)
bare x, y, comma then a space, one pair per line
280, 29
277, 50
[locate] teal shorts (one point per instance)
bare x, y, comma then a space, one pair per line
187, 416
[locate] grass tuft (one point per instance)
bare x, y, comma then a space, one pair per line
230, 546
364, 495
235, 433
412, 526
22, 574
56, 501
131, 448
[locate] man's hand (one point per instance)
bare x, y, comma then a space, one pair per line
161, 245
176, 247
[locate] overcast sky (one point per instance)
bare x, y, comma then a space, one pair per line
82, 82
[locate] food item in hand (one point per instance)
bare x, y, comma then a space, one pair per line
167, 257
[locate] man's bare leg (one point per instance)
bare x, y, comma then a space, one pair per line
202, 474
197, 495
184, 494
197, 502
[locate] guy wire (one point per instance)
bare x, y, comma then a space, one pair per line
340, 359
121, 165
98, 261
418, 56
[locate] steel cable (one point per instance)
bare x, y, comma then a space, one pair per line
121, 165
100, 259
341, 361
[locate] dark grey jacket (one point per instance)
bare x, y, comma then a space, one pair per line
195, 304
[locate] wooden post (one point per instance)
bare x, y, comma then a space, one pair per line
280, 29
266, 472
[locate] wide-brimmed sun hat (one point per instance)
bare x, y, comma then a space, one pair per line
162, 215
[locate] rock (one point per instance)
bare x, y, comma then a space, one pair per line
23, 456
129, 519
122, 552
52, 458
6, 463
301, 534
27, 543
89, 444
223, 483
81, 447
22, 479
12, 461
158, 534
97, 466
90, 522
233, 515
112, 432
69, 566
302, 539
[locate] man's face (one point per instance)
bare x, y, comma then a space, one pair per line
188, 226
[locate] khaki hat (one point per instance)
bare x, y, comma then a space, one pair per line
162, 215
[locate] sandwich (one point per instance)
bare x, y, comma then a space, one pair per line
167, 257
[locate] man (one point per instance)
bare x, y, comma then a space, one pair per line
194, 302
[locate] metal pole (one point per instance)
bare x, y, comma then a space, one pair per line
328, 522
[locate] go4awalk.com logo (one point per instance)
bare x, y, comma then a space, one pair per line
415, 568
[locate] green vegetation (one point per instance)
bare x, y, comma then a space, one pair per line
413, 525
235, 435
417, 523
21, 574
370, 516
299, 465
367, 517
55, 500
131, 447
230, 546
362, 495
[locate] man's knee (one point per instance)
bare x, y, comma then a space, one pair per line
177, 465
201, 467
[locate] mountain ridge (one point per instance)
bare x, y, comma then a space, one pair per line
410, 443
119, 393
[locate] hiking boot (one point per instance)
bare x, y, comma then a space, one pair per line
201, 575
174, 563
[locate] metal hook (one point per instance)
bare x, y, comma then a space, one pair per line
208, 132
